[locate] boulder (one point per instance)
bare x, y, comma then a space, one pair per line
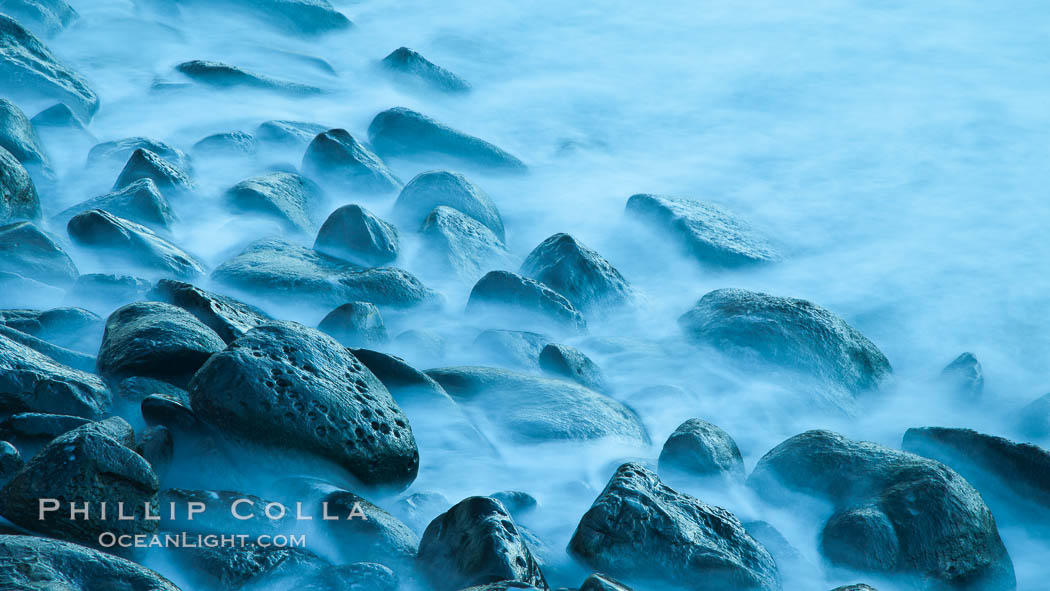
699, 448
248, 566
512, 348
641, 529
284, 196
429, 190
18, 136
171, 412
61, 355
119, 151
33, 382
138, 388
31, 430
291, 134
404, 132
410, 65
72, 328
601, 582
228, 144
567, 266
220, 75
895, 513
501, 293
790, 335
140, 201
355, 324
569, 362
27, 251
289, 273
336, 158
44, 17
297, 389
229, 318
144, 164
964, 377
18, 197
456, 243
516, 502
128, 243
155, 340
36, 74
553, 409
473, 543
28, 562
356, 234
709, 233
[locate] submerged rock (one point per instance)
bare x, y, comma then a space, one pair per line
570, 362
355, 324
229, 318
60, 116
503, 292
335, 157
639, 528
404, 132
132, 244
33, 254
707, 232
39, 74
18, 197
410, 64
473, 543
896, 513
28, 562
513, 348
285, 196
356, 234
288, 133
220, 75
107, 291
964, 377
457, 243
429, 190
18, 136
17, 291
699, 448
140, 202
567, 266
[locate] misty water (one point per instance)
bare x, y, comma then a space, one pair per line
894, 152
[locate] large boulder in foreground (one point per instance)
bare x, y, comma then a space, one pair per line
431, 189
640, 529
286, 272
895, 513
404, 132
583, 276
293, 388
552, 410
127, 243
790, 335
335, 157
28, 562
711, 234
33, 382
34, 73
473, 543
504, 294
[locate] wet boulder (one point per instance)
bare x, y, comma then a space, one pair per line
62, 355
455, 243
964, 377
220, 75
155, 340
44, 17
553, 410
640, 529
119, 151
140, 202
789, 335
287, 197
701, 449
404, 132
127, 243
895, 514
502, 293
355, 324
18, 197
30, 431
473, 543
28, 251
357, 235
709, 233
410, 66
229, 318
293, 388
18, 136
512, 348
602, 582
570, 363
429, 190
39, 75
567, 266
289, 273
857, 587
334, 157
144, 164
28, 562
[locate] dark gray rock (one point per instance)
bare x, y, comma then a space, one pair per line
43, 17
293, 134
357, 235
570, 362
791, 335
72, 328
553, 409
287, 197
513, 348
699, 448
33, 382
18, 197
226, 144
600, 582
335, 157
409, 65
172, 412
155, 340
27, 251
896, 513
473, 543
144, 164
62, 355
355, 324
295, 388
119, 151
964, 377
712, 235
404, 132
106, 291
229, 318
125, 242
567, 266
28, 562
429, 190
456, 243
10, 461
641, 529
102, 469
35, 73
288, 273
220, 75
525, 300
140, 202
18, 136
